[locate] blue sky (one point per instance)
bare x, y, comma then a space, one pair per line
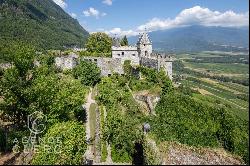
128, 17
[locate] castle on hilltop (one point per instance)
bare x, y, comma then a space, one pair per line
142, 54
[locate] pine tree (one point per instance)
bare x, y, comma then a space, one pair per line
124, 41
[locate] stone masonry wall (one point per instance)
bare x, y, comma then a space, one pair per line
157, 63
150, 63
108, 66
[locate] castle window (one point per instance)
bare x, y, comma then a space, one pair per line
109, 75
133, 54
122, 53
95, 60
144, 44
119, 54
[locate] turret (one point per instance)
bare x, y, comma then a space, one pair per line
144, 45
116, 42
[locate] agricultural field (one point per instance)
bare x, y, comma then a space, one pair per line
234, 96
220, 68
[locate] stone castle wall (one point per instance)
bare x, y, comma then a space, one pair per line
108, 66
167, 66
157, 64
150, 63
65, 63
141, 54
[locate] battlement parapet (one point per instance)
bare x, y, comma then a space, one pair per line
161, 57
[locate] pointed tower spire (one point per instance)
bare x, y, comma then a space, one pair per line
144, 45
116, 41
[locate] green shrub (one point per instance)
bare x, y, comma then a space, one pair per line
181, 118
67, 72
104, 152
70, 148
127, 67
122, 124
119, 155
153, 81
15, 135
87, 72
99, 42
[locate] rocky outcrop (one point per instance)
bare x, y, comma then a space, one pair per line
150, 100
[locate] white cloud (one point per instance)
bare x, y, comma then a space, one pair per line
107, 2
93, 12
119, 32
199, 16
103, 14
73, 15
192, 16
61, 3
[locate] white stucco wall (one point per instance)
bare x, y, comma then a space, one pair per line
126, 53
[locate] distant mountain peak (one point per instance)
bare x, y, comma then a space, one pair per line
200, 38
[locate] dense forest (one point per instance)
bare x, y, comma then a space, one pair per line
40, 23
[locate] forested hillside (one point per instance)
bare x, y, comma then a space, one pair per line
41, 23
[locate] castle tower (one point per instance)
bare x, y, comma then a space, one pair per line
116, 42
144, 45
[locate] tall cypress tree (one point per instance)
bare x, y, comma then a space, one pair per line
124, 41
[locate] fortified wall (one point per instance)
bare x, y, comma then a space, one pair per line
158, 61
108, 66
141, 54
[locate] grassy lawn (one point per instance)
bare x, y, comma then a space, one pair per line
104, 152
92, 119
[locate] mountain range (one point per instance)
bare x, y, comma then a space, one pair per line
46, 25
40, 22
199, 38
